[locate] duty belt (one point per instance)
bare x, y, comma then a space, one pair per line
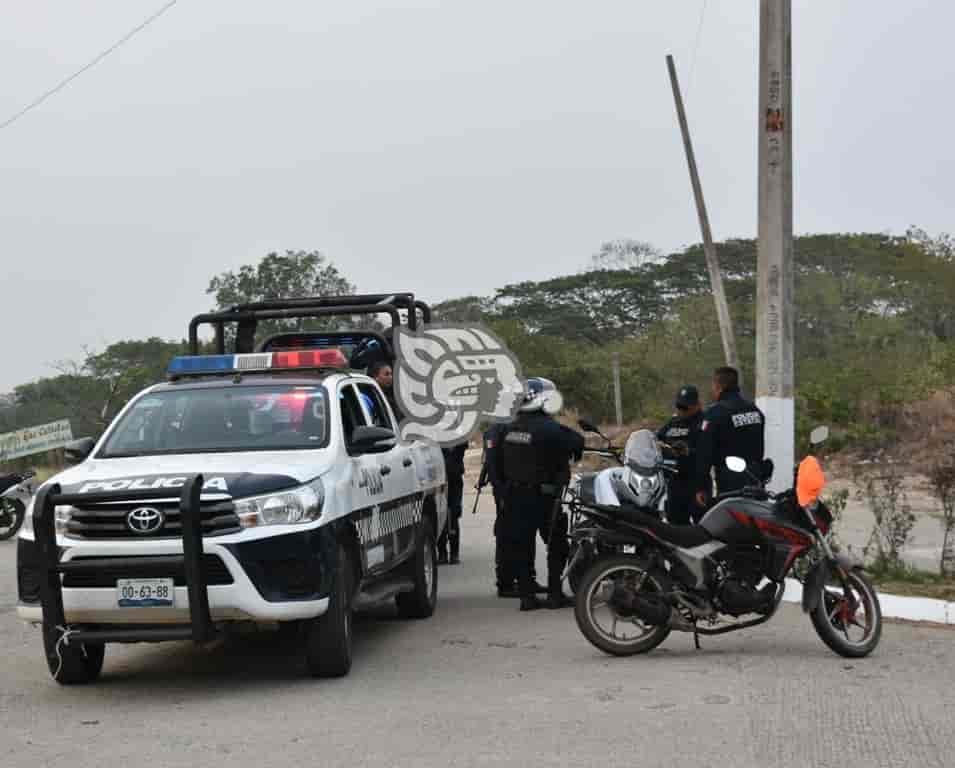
546, 489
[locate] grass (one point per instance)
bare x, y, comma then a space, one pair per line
904, 580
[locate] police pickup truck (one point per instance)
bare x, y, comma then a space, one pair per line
266, 487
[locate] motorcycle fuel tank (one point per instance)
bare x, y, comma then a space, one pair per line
722, 524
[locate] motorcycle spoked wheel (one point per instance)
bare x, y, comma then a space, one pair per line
592, 609
848, 617
11, 517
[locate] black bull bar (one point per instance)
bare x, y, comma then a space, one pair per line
200, 628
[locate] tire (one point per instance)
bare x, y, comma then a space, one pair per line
588, 625
11, 518
76, 663
421, 601
831, 630
328, 638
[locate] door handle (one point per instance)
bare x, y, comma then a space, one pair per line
407, 462
385, 469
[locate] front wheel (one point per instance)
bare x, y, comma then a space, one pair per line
73, 663
848, 617
328, 638
11, 517
604, 605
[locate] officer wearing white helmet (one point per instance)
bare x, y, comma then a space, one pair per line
533, 463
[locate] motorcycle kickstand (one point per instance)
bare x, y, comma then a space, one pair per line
696, 637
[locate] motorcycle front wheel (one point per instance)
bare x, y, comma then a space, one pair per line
600, 605
848, 617
11, 517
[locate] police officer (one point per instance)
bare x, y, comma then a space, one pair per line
682, 434
382, 372
505, 576
732, 426
449, 542
533, 463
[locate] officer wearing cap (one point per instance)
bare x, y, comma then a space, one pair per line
732, 426
682, 433
533, 463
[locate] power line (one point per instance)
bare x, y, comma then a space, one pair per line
63, 83
696, 48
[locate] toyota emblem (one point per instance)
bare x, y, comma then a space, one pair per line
145, 520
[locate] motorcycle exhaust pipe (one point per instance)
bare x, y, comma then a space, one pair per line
654, 611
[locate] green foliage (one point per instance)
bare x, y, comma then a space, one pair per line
294, 275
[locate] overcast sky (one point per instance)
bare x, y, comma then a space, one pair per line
441, 147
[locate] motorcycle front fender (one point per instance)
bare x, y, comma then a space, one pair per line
816, 579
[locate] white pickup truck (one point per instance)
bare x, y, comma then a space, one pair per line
309, 507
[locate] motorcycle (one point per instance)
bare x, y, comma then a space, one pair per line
725, 574
15, 493
639, 480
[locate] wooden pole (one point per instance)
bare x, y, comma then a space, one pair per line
774, 294
617, 398
709, 249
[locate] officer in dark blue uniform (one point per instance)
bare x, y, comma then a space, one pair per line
682, 434
732, 426
533, 462
505, 577
449, 542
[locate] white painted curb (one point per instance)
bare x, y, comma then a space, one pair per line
895, 606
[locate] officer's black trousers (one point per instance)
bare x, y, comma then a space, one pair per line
682, 508
504, 572
451, 536
527, 513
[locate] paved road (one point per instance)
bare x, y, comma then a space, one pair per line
482, 685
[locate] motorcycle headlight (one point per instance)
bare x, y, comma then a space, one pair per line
299, 505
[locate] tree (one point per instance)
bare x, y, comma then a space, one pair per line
625, 254
294, 275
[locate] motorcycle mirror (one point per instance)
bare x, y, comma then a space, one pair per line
735, 464
819, 435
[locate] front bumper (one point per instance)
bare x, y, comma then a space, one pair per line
285, 577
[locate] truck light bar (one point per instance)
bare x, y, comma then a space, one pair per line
204, 365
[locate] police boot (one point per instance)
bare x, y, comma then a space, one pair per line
442, 547
529, 601
454, 544
555, 595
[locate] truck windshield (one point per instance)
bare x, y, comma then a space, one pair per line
235, 418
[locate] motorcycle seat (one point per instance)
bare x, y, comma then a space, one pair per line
684, 536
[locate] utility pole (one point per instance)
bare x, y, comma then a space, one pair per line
709, 249
617, 400
774, 294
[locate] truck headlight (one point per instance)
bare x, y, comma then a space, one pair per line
61, 516
299, 505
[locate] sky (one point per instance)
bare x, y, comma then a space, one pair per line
443, 147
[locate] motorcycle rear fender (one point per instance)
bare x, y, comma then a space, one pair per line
812, 588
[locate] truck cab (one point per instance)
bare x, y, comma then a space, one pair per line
267, 487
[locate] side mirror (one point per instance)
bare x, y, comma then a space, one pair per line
735, 464
79, 450
373, 440
588, 426
819, 435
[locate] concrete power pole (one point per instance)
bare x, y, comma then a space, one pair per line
709, 249
774, 295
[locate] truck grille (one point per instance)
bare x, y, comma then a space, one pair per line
111, 521
215, 572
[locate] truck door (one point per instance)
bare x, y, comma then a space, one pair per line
403, 510
373, 487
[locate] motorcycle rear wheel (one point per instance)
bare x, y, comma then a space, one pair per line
837, 617
617, 568
11, 517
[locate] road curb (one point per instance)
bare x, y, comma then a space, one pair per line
916, 609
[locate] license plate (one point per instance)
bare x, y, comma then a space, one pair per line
145, 593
